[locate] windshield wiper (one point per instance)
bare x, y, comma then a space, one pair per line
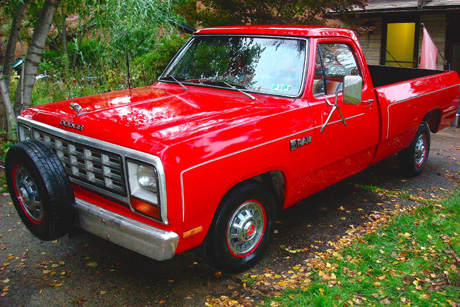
177, 81
239, 90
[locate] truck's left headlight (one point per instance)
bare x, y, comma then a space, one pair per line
143, 186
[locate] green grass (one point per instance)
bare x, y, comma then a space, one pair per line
411, 260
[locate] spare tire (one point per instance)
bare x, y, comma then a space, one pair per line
40, 189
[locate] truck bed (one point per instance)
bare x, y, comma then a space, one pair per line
408, 96
385, 75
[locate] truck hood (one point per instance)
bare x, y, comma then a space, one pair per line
156, 116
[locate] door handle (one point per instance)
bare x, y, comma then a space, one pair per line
369, 101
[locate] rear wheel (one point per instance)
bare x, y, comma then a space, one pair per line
40, 189
242, 228
413, 159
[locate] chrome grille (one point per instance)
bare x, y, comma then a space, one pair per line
90, 165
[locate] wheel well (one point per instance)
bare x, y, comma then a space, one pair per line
433, 119
275, 182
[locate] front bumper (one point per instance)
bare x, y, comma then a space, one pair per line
139, 237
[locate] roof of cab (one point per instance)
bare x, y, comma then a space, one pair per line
282, 30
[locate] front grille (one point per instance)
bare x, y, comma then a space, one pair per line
90, 165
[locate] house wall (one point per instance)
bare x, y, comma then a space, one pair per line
371, 43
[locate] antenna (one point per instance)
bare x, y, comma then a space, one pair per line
127, 65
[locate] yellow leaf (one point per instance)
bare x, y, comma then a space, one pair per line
91, 264
5, 281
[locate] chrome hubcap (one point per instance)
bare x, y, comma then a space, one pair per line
28, 195
246, 228
420, 150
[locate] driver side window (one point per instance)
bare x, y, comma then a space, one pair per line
333, 63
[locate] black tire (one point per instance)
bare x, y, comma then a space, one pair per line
40, 189
250, 207
413, 159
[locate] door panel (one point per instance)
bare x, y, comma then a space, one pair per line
346, 145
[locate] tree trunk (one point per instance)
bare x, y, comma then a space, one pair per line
63, 38
24, 91
12, 40
5, 95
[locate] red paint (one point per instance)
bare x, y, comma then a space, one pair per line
211, 139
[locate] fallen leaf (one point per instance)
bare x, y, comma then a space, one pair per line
385, 302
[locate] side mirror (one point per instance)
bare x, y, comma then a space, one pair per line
352, 89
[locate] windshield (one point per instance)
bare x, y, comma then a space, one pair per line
266, 65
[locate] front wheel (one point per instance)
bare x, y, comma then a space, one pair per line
242, 228
413, 159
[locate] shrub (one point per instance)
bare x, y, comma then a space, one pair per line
147, 68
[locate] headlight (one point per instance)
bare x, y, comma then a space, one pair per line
143, 186
24, 133
147, 178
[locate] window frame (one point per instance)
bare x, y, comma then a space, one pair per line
337, 41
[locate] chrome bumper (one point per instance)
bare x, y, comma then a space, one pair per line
139, 237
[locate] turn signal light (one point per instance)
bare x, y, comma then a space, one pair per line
145, 208
192, 232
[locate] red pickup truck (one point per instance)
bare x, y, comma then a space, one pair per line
244, 122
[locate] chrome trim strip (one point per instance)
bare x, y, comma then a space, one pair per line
120, 150
149, 241
244, 150
450, 113
411, 98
